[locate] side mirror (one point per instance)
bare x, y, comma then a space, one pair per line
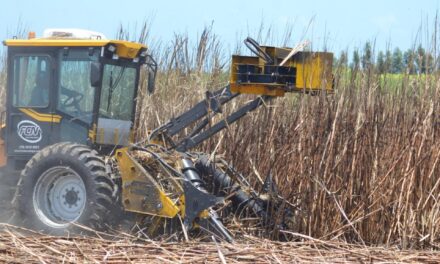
152, 70
95, 74
151, 81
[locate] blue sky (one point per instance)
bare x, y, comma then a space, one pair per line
340, 24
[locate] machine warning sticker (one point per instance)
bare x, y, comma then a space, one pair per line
29, 131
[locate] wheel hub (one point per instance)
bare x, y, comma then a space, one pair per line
59, 196
71, 197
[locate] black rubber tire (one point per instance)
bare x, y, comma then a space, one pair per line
89, 166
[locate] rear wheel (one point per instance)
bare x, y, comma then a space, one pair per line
63, 187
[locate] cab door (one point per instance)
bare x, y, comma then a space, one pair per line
76, 98
30, 109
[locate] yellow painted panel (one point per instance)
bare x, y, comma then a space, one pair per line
313, 70
40, 116
124, 49
258, 89
47, 42
138, 200
92, 134
127, 49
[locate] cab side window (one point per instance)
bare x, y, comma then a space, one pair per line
31, 81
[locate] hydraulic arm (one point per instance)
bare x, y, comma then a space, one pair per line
202, 113
272, 73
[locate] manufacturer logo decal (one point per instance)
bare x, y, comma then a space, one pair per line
29, 131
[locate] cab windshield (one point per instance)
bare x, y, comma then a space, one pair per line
118, 88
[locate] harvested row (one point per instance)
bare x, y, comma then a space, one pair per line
18, 248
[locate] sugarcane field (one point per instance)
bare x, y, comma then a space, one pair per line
220, 132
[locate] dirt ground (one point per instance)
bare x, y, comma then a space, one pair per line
36, 248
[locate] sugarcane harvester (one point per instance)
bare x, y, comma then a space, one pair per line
67, 136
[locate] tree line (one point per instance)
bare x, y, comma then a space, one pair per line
411, 61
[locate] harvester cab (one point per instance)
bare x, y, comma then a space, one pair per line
70, 86
68, 135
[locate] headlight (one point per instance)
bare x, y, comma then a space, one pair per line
111, 48
143, 53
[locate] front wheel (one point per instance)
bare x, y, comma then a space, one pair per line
63, 187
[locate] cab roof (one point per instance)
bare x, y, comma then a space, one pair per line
125, 49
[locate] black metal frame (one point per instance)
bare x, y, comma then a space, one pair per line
205, 110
